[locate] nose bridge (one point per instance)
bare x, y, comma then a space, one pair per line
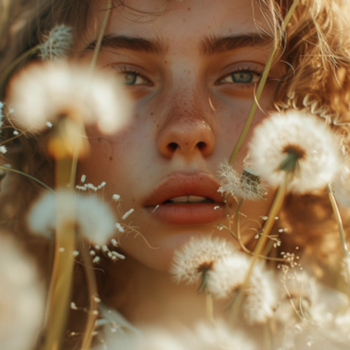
186, 129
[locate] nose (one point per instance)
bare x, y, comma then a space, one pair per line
186, 131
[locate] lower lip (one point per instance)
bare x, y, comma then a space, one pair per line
188, 213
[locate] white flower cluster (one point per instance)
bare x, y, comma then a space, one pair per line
22, 297
57, 43
45, 92
302, 134
225, 269
205, 337
93, 218
247, 186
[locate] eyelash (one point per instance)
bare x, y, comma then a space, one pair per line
239, 70
133, 70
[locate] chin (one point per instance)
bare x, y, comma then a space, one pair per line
159, 255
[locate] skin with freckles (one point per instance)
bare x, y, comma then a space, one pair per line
190, 68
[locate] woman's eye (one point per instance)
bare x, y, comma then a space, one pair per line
242, 77
132, 78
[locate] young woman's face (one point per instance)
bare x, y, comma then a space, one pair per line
191, 69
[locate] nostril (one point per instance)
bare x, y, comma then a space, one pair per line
172, 146
201, 145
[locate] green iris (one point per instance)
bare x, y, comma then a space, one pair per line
130, 78
242, 77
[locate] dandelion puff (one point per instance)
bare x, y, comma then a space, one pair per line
300, 293
49, 91
261, 296
93, 218
152, 339
22, 299
197, 257
298, 135
247, 186
228, 275
214, 336
219, 337
57, 43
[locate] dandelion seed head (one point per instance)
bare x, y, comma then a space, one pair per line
204, 336
45, 92
93, 218
22, 298
198, 256
57, 43
301, 133
300, 293
247, 186
227, 274
262, 296
219, 337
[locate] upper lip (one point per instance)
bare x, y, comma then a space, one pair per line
183, 184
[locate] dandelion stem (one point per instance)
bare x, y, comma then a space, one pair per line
62, 272
338, 219
267, 337
274, 210
268, 248
93, 296
245, 249
209, 306
261, 86
100, 37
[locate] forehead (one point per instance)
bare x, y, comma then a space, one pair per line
178, 20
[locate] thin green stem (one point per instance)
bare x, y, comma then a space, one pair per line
209, 306
27, 175
338, 219
100, 37
93, 297
267, 248
274, 210
259, 91
62, 272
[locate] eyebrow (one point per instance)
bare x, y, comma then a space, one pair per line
131, 43
213, 44
208, 46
